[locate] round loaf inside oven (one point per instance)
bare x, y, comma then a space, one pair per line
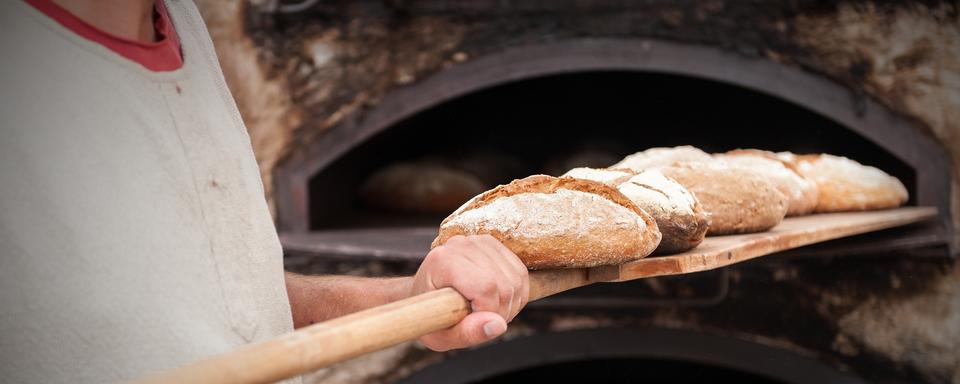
419, 188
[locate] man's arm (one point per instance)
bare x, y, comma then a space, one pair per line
314, 299
479, 267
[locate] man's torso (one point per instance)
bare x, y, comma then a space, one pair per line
133, 228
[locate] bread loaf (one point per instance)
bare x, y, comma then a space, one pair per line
660, 157
846, 185
801, 193
489, 166
419, 188
682, 221
552, 222
737, 200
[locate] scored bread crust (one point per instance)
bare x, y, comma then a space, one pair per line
588, 205
801, 192
681, 218
847, 185
738, 201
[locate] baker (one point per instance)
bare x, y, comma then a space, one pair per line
134, 234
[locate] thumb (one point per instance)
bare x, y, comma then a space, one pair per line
476, 328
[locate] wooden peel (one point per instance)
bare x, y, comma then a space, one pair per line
319, 345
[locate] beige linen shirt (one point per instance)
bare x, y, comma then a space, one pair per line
134, 235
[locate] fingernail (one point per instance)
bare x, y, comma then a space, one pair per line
494, 328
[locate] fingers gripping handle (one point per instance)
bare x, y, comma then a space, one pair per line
323, 344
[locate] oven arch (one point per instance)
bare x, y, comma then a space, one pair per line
897, 135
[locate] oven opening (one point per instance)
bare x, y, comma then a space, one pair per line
553, 123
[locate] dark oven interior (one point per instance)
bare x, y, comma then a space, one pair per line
553, 123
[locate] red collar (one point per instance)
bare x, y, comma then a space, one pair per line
160, 56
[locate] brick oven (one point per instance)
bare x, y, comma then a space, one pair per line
477, 93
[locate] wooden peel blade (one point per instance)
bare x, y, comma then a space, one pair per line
310, 348
794, 232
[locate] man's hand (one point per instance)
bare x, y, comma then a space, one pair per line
479, 267
485, 272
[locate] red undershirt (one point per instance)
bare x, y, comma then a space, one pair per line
160, 56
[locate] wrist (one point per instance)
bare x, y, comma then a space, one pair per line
402, 288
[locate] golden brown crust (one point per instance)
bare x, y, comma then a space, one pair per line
611, 242
738, 201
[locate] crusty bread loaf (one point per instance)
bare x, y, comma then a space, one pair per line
552, 222
611, 177
737, 200
420, 188
801, 193
682, 221
661, 157
846, 185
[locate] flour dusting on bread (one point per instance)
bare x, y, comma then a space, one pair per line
557, 222
606, 176
564, 212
